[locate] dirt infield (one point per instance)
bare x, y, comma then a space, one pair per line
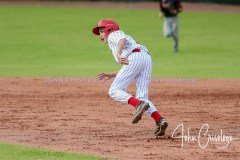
80, 117
192, 7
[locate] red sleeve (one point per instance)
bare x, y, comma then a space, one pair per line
179, 5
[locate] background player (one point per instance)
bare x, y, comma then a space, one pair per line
170, 9
136, 66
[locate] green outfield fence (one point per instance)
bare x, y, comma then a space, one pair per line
205, 1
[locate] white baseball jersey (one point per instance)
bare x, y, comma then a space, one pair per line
138, 70
130, 45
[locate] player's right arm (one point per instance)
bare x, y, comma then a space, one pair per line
160, 14
120, 47
117, 40
160, 9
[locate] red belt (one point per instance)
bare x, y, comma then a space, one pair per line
136, 50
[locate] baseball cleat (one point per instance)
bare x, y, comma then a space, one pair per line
161, 127
140, 109
175, 47
175, 50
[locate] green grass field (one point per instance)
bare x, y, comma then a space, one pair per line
57, 41
13, 152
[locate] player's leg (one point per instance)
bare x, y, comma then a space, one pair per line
167, 27
143, 80
125, 76
142, 84
175, 33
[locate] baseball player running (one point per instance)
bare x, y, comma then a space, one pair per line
170, 10
136, 67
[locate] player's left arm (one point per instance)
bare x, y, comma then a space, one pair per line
103, 76
179, 6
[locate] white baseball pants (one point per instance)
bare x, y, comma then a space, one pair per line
139, 71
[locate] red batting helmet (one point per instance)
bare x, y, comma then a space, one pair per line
108, 25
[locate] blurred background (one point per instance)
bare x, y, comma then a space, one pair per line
54, 38
192, 1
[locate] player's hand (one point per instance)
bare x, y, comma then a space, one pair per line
173, 11
160, 15
122, 60
105, 76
